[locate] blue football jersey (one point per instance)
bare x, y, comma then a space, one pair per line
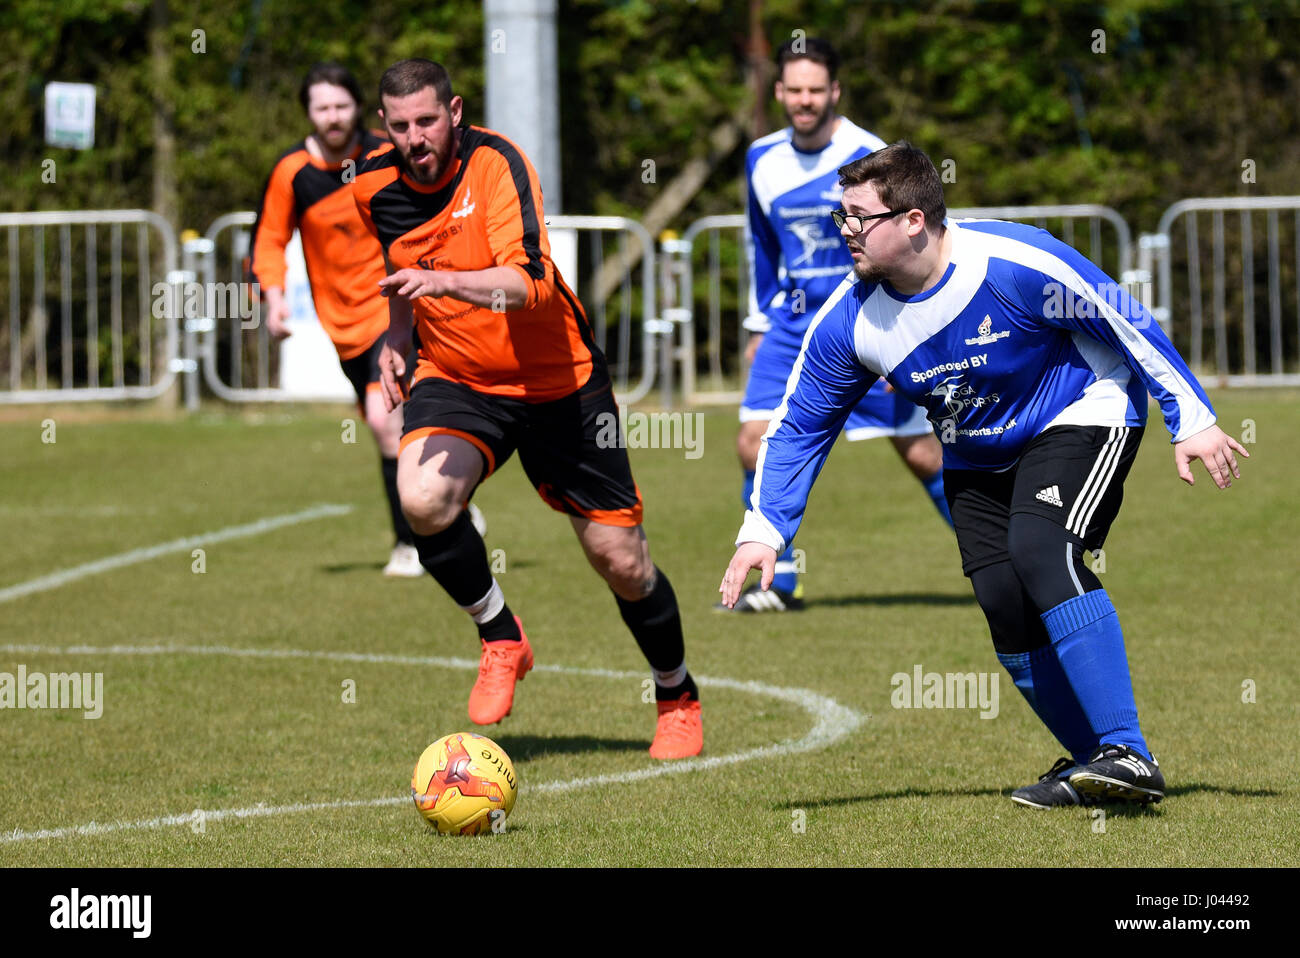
796, 255
1022, 333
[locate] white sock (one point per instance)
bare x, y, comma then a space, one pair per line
668, 680
489, 607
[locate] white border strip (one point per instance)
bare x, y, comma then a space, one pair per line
56, 579
832, 723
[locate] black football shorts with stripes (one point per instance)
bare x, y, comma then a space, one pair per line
1071, 475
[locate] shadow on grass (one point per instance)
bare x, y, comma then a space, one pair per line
1121, 809
345, 567
342, 568
1194, 787
523, 747
432, 834
886, 796
900, 598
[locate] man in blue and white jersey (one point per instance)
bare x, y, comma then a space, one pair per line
797, 259
1034, 368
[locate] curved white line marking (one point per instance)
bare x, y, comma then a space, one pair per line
833, 722
64, 576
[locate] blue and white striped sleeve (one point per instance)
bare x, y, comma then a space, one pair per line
828, 380
1071, 292
763, 249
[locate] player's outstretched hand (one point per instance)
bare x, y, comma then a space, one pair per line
411, 284
392, 371
750, 555
1215, 449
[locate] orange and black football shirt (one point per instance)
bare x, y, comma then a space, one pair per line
344, 262
484, 211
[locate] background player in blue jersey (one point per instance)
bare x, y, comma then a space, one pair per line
797, 258
1035, 369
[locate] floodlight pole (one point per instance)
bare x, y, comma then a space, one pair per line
521, 66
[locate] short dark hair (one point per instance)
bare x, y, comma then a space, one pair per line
807, 48
903, 177
411, 76
334, 74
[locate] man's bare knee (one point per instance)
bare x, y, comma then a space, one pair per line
748, 441
430, 505
627, 572
429, 515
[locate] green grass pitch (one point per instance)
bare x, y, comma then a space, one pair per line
1204, 580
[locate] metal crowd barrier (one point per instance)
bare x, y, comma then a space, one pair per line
230, 343
712, 316
113, 317
1246, 350
597, 256
101, 323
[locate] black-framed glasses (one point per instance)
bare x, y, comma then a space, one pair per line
858, 223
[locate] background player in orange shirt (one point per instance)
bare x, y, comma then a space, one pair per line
507, 362
309, 190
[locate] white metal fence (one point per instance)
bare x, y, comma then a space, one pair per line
92, 300
609, 261
1251, 257
99, 307
712, 302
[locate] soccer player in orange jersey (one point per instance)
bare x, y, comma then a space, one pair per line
309, 190
506, 363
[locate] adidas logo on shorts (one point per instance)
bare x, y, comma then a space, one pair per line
1051, 495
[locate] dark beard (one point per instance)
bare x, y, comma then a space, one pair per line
409, 169
869, 274
823, 120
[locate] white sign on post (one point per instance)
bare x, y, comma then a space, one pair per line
70, 115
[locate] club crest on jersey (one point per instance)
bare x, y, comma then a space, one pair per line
466, 207
986, 334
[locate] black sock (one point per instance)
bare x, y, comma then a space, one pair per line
457, 559
501, 626
401, 528
656, 624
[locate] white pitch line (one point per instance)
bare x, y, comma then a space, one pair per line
63, 577
832, 723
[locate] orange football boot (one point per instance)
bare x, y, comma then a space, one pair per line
680, 731
502, 664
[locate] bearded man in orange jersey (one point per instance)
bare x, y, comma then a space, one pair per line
506, 362
308, 190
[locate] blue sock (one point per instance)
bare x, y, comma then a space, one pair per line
934, 486
785, 581
1088, 642
1039, 678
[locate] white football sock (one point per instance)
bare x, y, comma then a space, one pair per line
668, 680
489, 607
